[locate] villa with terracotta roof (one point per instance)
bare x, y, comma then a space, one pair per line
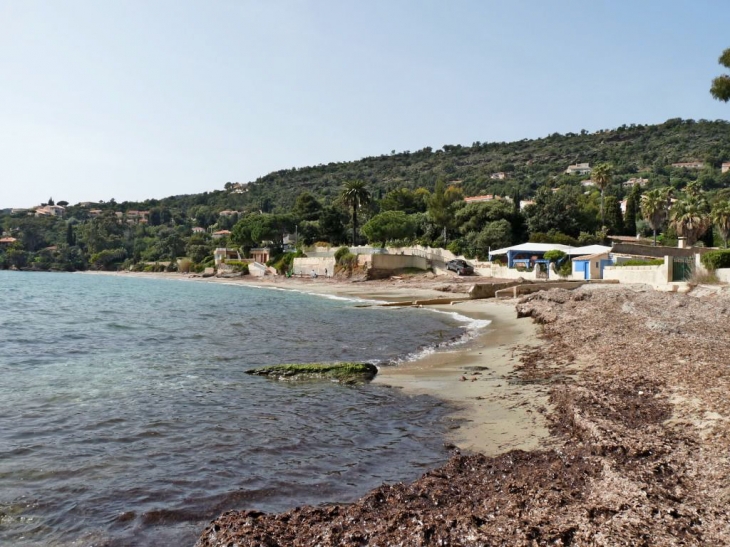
477, 199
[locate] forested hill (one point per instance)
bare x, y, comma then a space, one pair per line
409, 197
647, 150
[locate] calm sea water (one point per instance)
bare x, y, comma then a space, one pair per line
126, 417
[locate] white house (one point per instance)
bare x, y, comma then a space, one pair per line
579, 169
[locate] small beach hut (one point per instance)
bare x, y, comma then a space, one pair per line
528, 254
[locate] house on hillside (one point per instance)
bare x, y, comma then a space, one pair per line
50, 211
198, 230
525, 202
7, 240
579, 169
221, 233
223, 254
137, 217
635, 182
725, 167
689, 165
501, 175
478, 199
260, 254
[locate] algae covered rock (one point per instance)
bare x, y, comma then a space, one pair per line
341, 372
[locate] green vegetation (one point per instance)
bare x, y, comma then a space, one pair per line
554, 256
389, 225
342, 372
410, 197
721, 85
642, 262
345, 260
714, 260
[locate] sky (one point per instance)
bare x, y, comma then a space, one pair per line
137, 99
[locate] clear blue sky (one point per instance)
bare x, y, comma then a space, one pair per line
135, 99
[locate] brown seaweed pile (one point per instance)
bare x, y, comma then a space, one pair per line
640, 416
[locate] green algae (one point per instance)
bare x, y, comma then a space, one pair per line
341, 372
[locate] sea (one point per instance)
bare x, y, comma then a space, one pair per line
127, 419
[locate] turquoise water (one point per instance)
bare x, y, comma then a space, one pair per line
126, 417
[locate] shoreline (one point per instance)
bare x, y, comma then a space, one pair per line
491, 411
637, 455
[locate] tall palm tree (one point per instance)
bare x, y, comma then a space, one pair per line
601, 175
654, 208
689, 217
721, 219
355, 194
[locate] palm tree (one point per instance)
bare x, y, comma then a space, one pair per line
654, 208
601, 175
689, 217
355, 194
721, 219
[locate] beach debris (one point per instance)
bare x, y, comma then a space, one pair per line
462, 379
340, 372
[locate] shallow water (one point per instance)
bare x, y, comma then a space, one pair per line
126, 417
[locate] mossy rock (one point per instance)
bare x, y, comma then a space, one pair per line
341, 372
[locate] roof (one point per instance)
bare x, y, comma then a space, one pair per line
8, 240
590, 257
534, 247
588, 250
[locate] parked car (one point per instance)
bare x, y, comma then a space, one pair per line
461, 267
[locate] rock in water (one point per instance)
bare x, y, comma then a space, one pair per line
341, 372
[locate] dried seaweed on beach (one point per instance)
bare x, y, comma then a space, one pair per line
640, 421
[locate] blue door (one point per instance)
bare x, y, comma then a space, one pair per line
583, 267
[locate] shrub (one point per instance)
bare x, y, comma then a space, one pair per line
457, 247
709, 278
342, 251
642, 262
238, 266
565, 269
714, 260
347, 261
284, 262
554, 255
184, 265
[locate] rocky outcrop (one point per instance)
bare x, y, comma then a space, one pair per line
341, 372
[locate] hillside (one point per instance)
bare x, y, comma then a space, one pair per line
634, 149
421, 192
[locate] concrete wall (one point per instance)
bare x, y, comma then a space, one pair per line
398, 262
723, 275
650, 275
256, 269
304, 266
